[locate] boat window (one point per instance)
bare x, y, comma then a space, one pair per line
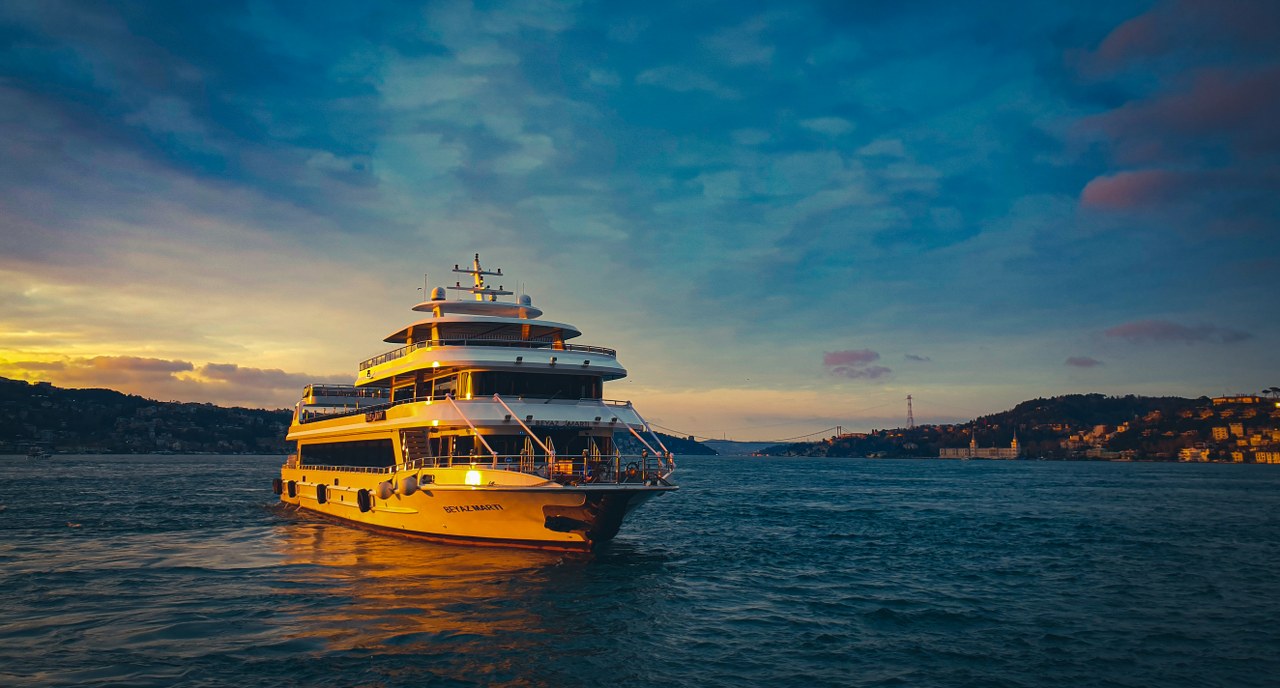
443, 386
536, 385
363, 453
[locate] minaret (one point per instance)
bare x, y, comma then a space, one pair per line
973, 442
1014, 444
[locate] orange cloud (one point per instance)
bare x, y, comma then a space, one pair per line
157, 378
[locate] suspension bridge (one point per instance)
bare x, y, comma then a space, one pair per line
824, 432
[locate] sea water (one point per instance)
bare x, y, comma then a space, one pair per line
184, 570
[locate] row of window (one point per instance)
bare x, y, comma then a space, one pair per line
467, 385
381, 453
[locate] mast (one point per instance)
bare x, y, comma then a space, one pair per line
479, 289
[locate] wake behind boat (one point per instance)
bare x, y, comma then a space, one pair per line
484, 427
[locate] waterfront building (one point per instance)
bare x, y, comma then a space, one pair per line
973, 451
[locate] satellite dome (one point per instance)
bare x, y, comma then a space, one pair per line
437, 294
525, 300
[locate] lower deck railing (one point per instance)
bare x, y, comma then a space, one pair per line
569, 470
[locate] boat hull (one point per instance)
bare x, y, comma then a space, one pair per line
438, 505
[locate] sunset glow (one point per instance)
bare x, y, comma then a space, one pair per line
784, 217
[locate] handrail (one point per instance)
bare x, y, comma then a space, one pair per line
606, 469
487, 342
316, 416
531, 433
471, 425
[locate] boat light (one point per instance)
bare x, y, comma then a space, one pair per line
553, 360
435, 422
468, 396
473, 478
435, 364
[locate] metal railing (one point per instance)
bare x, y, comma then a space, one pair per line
486, 342
618, 469
346, 391
315, 415
348, 469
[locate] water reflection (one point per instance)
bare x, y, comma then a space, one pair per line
361, 589
475, 614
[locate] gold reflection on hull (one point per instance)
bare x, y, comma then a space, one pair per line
509, 509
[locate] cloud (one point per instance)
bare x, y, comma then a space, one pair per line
830, 126
854, 364
157, 378
1134, 189
684, 80
1194, 93
1083, 362
1164, 331
260, 378
742, 45
916, 358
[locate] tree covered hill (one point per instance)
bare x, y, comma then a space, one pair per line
106, 421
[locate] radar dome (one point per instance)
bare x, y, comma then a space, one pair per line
437, 294
525, 300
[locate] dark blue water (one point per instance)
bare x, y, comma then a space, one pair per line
162, 571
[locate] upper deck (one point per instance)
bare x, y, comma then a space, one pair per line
482, 333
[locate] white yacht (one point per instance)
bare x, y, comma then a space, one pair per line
483, 426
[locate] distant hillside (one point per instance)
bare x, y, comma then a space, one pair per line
1086, 426
676, 445
106, 421
90, 421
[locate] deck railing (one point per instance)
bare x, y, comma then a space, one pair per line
616, 469
487, 342
328, 413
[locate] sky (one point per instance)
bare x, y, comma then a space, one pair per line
784, 216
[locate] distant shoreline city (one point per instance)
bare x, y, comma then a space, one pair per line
1229, 429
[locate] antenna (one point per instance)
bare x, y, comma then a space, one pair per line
911, 419
480, 290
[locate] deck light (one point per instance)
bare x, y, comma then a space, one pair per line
553, 360
435, 422
473, 478
435, 364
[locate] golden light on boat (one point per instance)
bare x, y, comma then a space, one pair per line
435, 423
473, 478
435, 364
